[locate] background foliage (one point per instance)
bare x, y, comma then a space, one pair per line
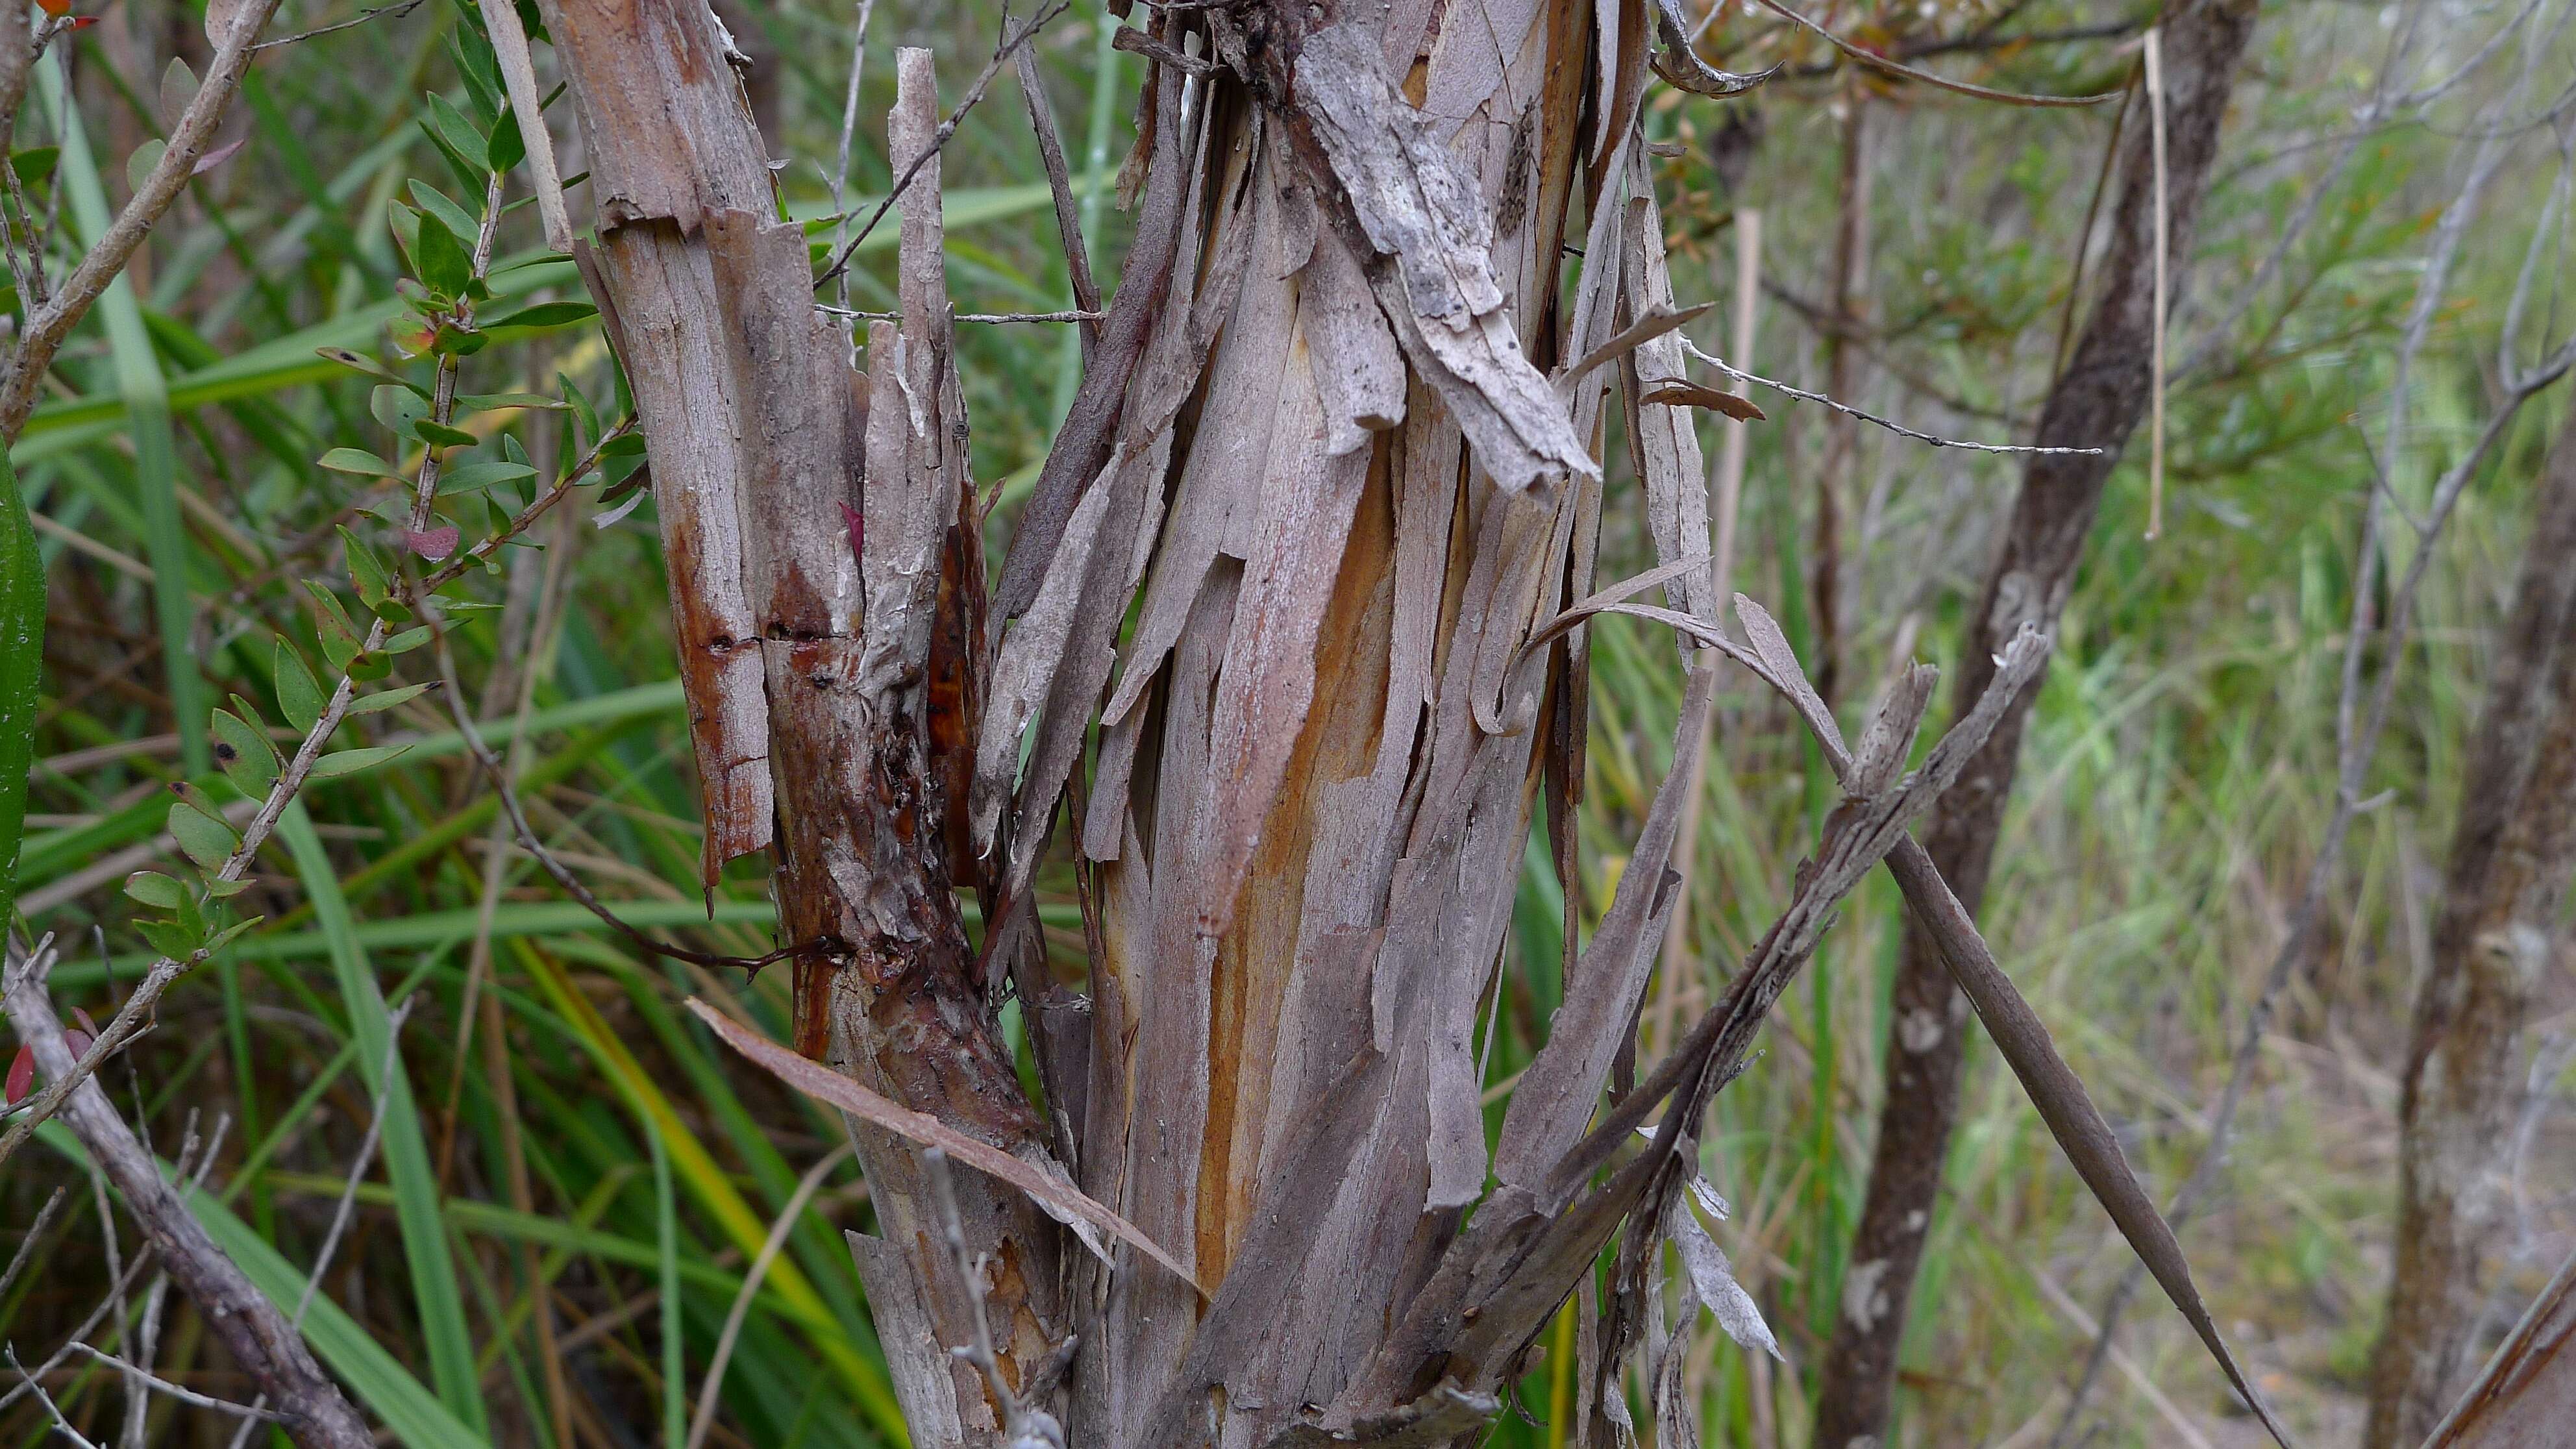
553, 1234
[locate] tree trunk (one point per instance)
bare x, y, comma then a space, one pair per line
2095, 403
807, 670
2493, 944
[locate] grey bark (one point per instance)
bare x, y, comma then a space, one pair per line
2493, 943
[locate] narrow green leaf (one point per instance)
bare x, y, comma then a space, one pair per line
244, 754
445, 267
298, 697
434, 202
152, 888
545, 314
474, 477
202, 838
359, 461
407, 1165
387, 699
22, 650
349, 762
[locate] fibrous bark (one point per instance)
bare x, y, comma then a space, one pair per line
806, 639
2095, 403
2494, 941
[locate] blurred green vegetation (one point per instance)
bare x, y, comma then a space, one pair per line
2177, 774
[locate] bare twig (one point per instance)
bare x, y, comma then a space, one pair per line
527, 106
53, 321
381, 12
259, 1338
252, 1412
1897, 428
1023, 1425
52, 1409
498, 775
1085, 316
947, 128
1875, 61
2155, 72
35, 1233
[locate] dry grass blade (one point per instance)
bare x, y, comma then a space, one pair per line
830, 1087
2526, 1396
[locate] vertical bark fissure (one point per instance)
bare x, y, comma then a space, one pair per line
2494, 941
2095, 403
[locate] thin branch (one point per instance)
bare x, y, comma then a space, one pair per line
52, 323
1875, 61
1023, 1426
131, 1019
499, 777
1080, 314
52, 1409
252, 1412
381, 12
242, 1318
939, 138
1897, 428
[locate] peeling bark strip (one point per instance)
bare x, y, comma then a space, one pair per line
2493, 944
1427, 222
2095, 403
809, 671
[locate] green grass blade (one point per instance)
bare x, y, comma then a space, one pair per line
416, 1197
146, 396
666, 1223
22, 652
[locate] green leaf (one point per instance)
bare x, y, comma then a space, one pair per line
507, 147
441, 435
224, 937
434, 202
202, 838
170, 938
462, 160
444, 266
492, 402
152, 888
387, 699
35, 165
349, 762
244, 754
298, 697
333, 614
407, 640
545, 314
222, 889
475, 477
359, 461
397, 408
366, 666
